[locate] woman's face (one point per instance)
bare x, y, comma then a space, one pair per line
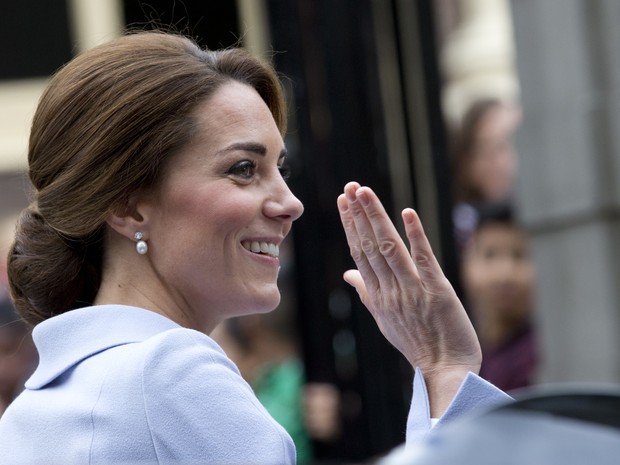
222, 211
494, 161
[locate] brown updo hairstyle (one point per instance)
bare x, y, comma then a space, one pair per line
104, 127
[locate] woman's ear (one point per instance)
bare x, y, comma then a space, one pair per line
131, 219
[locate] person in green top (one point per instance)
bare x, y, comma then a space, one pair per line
279, 387
264, 349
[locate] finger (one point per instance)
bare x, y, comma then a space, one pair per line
354, 278
354, 241
393, 254
421, 251
368, 244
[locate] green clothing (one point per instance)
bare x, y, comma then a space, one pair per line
279, 388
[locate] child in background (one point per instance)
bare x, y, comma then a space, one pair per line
498, 281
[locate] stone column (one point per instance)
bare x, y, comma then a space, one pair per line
569, 187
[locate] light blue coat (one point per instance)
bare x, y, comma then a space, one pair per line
124, 385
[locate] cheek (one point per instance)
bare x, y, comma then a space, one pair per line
525, 277
484, 174
474, 276
213, 209
505, 166
229, 216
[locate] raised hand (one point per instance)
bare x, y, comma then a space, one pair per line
408, 295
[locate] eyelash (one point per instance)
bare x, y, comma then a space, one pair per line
240, 168
285, 172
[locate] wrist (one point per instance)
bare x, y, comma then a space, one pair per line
442, 386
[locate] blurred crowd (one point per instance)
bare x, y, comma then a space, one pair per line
496, 266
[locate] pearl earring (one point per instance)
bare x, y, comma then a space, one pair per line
141, 246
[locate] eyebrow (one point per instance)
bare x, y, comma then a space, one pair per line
252, 147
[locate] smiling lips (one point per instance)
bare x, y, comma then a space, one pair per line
266, 248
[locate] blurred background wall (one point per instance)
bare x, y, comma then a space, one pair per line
569, 74
375, 89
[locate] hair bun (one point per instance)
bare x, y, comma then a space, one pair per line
46, 270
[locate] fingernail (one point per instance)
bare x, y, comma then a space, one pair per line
408, 216
363, 198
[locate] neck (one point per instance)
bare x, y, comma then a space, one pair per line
493, 332
130, 279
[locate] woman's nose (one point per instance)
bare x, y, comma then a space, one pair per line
283, 203
504, 269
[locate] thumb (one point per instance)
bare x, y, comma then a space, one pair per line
354, 278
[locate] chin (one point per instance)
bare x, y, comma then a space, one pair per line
263, 303
270, 304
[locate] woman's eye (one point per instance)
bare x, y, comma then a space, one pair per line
244, 169
285, 172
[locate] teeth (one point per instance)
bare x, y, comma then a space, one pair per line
267, 248
274, 250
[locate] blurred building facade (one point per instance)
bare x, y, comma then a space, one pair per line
371, 84
569, 189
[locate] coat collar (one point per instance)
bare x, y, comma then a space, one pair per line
66, 339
